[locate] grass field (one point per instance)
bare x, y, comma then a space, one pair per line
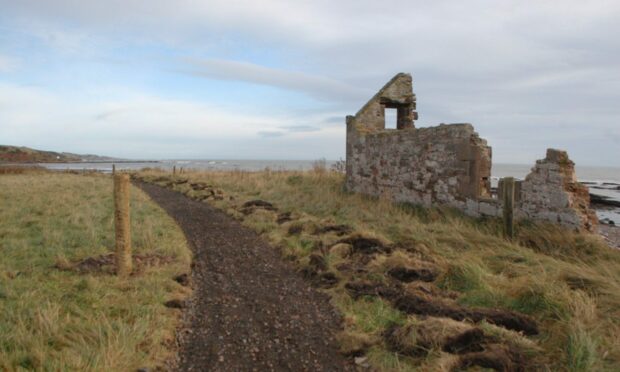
568, 282
54, 317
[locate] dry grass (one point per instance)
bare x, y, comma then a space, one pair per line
570, 283
63, 320
21, 169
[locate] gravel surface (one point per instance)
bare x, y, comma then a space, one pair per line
250, 309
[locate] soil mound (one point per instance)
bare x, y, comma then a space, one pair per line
105, 263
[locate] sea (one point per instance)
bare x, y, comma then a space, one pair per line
602, 181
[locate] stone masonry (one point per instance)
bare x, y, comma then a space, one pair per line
449, 165
551, 192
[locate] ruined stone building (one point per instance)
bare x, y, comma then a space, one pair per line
450, 165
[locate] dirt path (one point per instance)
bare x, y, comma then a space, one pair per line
251, 310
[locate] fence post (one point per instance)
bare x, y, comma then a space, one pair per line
508, 202
122, 226
174, 170
113, 168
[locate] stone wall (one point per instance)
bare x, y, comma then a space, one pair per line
397, 94
449, 165
551, 193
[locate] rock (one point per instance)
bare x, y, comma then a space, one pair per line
604, 201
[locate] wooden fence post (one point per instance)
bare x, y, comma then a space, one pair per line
508, 202
122, 225
174, 170
113, 168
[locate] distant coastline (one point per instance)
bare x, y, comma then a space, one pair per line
11, 155
604, 182
43, 163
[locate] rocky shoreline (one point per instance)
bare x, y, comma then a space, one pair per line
611, 235
605, 200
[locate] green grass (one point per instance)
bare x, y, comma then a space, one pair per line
370, 315
569, 282
581, 350
62, 320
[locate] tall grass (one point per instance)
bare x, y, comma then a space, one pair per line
568, 281
61, 320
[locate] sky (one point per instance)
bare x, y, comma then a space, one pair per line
275, 79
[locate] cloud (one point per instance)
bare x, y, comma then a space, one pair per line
105, 115
527, 74
65, 39
317, 86
270, 133
35, 115
287, 129
7, 64
300, 128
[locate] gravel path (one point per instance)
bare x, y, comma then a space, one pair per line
250, 309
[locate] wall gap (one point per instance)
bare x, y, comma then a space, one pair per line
391, 118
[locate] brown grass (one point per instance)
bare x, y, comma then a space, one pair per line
21, 169
61, 309
568, 282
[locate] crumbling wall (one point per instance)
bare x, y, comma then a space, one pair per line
551, 193
397, 94
447, 164
450, 165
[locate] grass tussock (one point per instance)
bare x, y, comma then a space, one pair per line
569, 283
57, 318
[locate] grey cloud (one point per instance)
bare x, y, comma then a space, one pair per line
336, 119
270, 133
300, 128
522, 73
105, 115
317, 86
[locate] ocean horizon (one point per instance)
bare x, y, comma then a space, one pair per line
585, 173
603, 181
